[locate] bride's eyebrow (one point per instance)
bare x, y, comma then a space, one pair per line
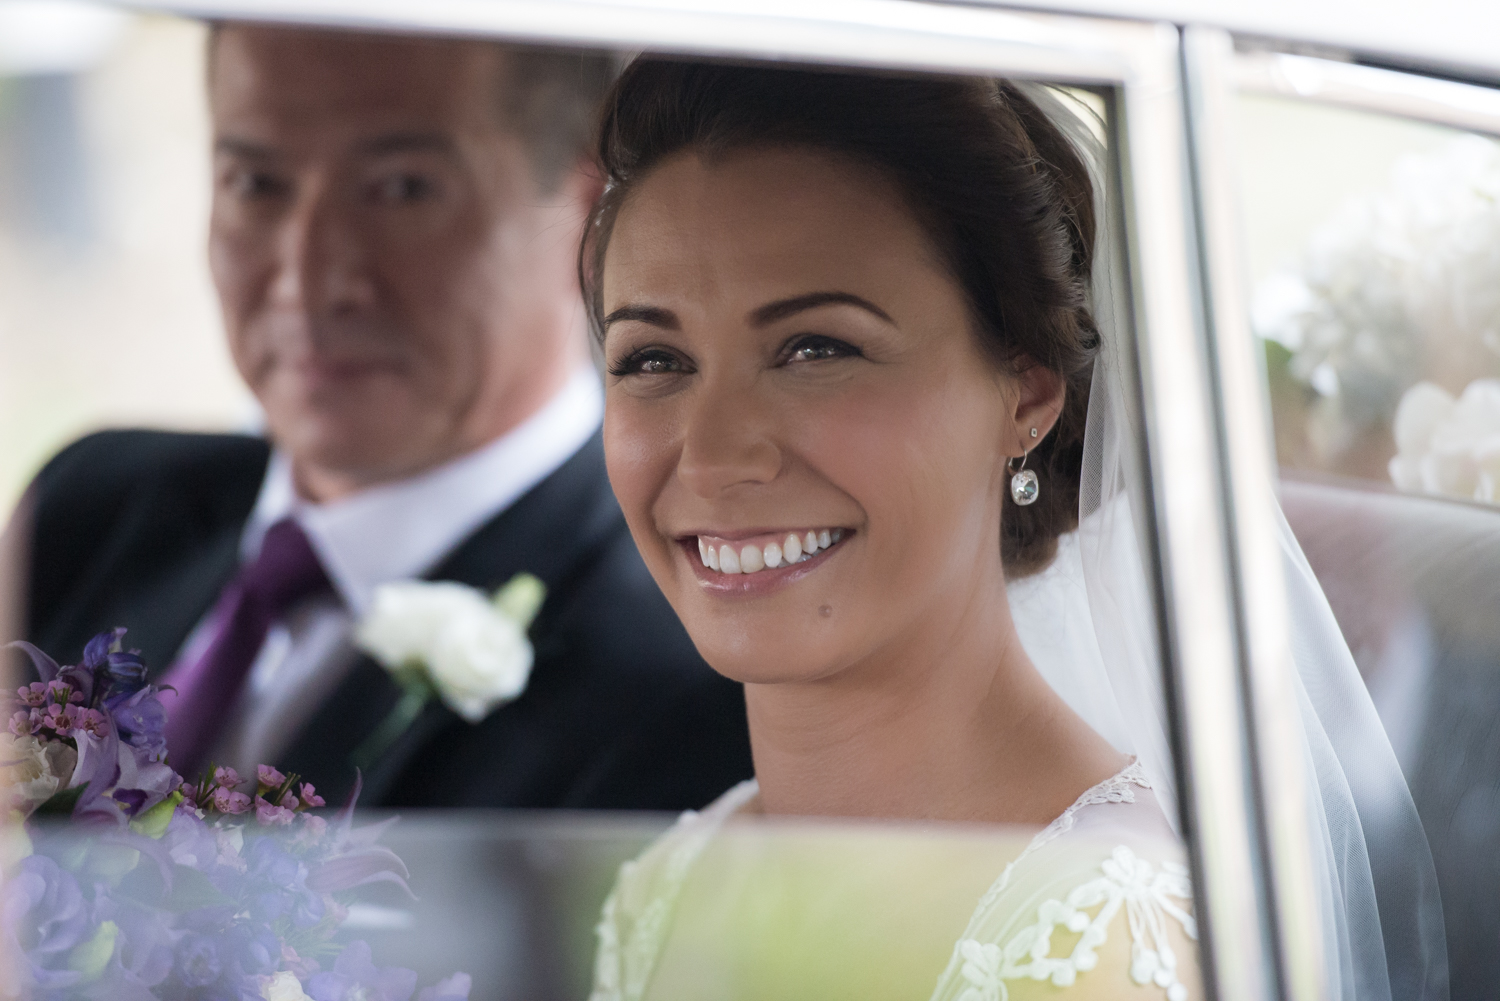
783, 308
654, 315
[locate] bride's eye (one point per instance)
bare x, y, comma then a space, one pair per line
649, 361
817, 347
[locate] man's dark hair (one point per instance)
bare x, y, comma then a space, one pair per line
1000, 190
548, 96
551, 98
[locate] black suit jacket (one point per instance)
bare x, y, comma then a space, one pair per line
141, 529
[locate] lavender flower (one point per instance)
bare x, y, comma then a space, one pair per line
355, 976
47, 901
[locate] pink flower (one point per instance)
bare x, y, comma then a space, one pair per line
272, 816
289, 800
93, 721
315, 826
299, 967
61, 692
34, 694
229, 801
60, 718
21, 724
269, 777
310, 797
227, 777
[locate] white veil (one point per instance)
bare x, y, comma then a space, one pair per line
1088, 624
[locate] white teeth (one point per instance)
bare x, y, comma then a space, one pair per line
729, 560
751, 559
791, 549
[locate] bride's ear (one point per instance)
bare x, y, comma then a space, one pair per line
1037, 402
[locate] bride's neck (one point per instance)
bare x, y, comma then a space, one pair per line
952, 722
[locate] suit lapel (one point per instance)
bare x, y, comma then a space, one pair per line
174, 552
551, 531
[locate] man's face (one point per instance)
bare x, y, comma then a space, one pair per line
396, 287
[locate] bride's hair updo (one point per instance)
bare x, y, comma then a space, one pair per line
1000, 190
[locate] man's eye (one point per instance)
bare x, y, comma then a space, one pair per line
256, 184
404, 189
819, 348
648, 361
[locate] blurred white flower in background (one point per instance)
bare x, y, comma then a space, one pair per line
1401, 283
1449, 446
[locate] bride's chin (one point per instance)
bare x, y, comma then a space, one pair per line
770, 650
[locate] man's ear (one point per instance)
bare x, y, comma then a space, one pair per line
1038, 403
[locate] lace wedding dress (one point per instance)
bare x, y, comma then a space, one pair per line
1108, 870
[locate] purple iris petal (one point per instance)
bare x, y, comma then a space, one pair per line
357, 868
47, 901
198, 962
96, 652
127, 672
46, 667
141, 719
354, 971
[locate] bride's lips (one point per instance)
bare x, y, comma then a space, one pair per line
760, 562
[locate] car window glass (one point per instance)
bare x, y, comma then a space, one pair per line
1372, 247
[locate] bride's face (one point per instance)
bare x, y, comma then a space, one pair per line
804, 435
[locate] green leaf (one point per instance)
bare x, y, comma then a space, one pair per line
91, 957
191, 890
61, 803
153, 823
521, 598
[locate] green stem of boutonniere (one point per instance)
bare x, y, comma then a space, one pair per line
416, 692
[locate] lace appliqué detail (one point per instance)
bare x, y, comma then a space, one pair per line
1148, 895
630, 944
1119, 788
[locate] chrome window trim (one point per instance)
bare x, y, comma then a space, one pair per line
1161, 296
1403, 94
1250, 475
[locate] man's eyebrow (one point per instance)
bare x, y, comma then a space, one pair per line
243, 147
409, 142
783, 308
654, 315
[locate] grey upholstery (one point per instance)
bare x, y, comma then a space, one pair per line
1415, 584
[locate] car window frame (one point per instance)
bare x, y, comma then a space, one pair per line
1204, 517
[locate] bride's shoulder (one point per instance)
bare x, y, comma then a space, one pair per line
1101, 903
638, 912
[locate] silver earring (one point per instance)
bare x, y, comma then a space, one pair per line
1024, 487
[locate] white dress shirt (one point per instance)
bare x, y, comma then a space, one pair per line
390, 532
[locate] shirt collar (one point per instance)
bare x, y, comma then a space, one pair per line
401, 530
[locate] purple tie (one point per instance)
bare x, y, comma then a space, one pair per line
286, 571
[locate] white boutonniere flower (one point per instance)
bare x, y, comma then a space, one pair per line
449, 641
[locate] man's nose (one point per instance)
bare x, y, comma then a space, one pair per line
728, 439
322, 263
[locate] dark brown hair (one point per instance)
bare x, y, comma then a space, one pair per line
548, 96
1000, 190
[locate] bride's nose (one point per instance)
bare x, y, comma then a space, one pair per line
728, 440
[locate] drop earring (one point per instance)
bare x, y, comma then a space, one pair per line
1024, 487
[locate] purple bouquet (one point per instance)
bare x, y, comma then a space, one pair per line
160, 888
